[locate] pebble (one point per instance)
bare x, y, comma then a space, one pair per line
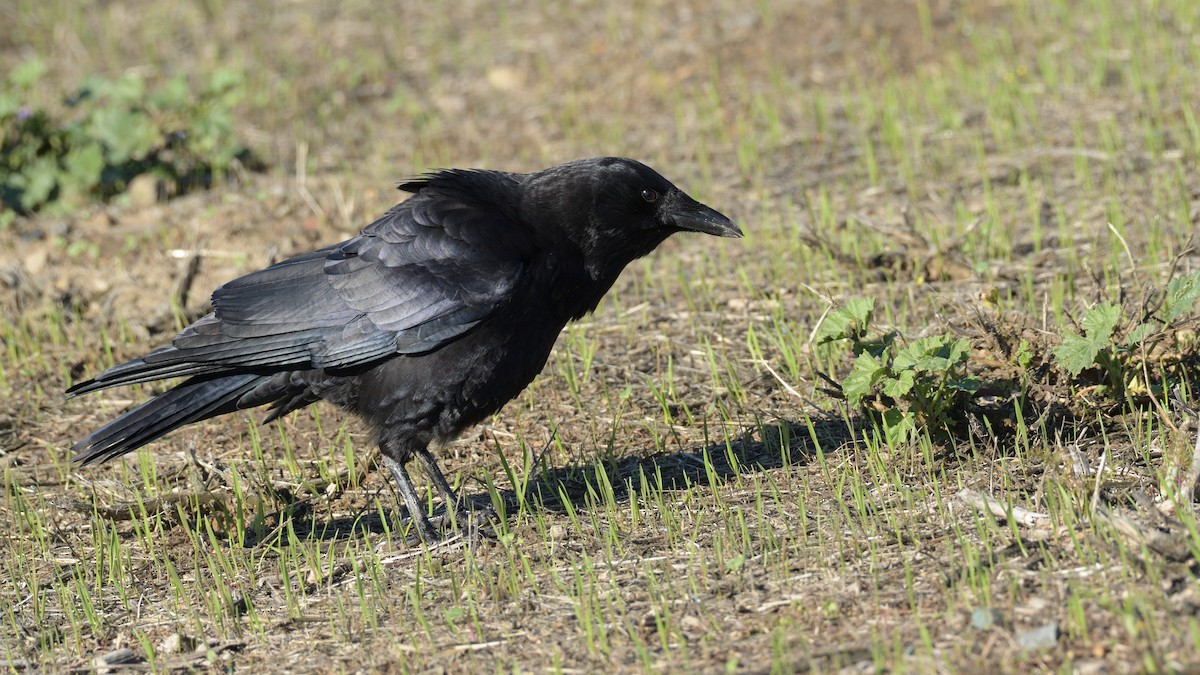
986, 617
1039, 638
123, 656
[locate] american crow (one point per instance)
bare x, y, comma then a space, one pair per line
428, 322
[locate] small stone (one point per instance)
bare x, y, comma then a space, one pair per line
1091, 668
143, 190
506, 78
1034, 605
35, 262
650, 619
170, 645
96, 223
1039, 638
122, 656
176, 644
100, 285
986, 617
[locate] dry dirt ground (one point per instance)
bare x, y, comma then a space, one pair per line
683, 492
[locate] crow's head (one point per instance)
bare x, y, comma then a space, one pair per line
615, 210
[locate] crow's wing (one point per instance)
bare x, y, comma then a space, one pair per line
428, 271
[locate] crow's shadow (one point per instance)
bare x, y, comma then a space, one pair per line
758, 449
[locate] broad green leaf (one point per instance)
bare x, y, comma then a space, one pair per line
1140, 333
10, 104
959, 350
85, 164
126, 134
1075, 353
880, 348
175, 94
210, 137
907, 358
224, 79
1182, 293
128, 89
1100, 321
40, 179
935, 354
113, 122
849, 321
1078, 352
898, 426
897, 387
27, 73
862, 377
967, 384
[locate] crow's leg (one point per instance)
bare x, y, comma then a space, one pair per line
434, 472
416, 512
457, 508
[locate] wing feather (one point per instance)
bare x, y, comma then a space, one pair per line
427, 272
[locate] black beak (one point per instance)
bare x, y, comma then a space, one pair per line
693, 216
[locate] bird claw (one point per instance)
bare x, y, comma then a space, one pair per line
476, 522
424, 532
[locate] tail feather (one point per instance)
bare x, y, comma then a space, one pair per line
196, 399
167, 362
148, 368
141, 376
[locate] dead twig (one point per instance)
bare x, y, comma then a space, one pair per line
1099, 477
1171, 545
1193, 474
189, 268
778, 378
1021, 516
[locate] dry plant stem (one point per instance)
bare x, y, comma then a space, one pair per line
787, 387
1193, 474
1099, 477
1021, 516
1080, 466
190, 267
1171, 545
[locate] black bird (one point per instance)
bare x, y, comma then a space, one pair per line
426, 323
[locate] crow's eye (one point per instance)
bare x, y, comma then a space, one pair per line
649, 195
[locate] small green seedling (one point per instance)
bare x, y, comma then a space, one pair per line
923, 384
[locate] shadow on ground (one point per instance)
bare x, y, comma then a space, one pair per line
756, 450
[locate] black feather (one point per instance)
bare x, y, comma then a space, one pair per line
430, 320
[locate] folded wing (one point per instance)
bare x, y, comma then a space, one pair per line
425, 273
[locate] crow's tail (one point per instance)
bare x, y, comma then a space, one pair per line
196, 399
